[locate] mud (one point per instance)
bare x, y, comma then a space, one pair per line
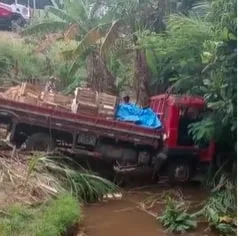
125, 218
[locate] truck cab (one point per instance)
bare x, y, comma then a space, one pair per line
180, 155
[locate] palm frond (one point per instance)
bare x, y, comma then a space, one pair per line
77, 9
178, 21
201, 4
46, 27
56, 3
108, 17
82, 183
62, 15
110, 37
90, 39
200, 9
151, 60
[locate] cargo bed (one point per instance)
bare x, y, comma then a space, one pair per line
56, 119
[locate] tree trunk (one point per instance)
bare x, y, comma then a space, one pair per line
99, 77
141, 78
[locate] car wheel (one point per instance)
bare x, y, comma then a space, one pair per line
15, 24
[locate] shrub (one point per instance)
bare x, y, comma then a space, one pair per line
175, 217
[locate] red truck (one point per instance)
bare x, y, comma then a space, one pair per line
131, 149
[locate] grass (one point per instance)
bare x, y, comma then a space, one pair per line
51, 219
20, 61
17, 60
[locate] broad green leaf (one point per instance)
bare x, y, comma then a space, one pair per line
110, 37
46, 27
151, 60
62, 15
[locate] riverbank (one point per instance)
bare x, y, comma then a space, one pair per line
42, 195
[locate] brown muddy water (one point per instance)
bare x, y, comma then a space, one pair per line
125, 217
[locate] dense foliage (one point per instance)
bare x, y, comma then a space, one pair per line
219, 210
198, 56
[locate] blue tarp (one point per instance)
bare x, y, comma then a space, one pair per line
133, 113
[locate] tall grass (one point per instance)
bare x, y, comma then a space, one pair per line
18, 61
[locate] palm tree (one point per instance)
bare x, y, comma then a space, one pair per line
79, 21
97, 26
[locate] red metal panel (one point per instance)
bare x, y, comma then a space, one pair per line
71, 120
5, 11
181, 100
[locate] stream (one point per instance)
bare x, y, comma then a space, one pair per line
125, 217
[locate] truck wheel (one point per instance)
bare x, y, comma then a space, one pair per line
40, 142
179, 172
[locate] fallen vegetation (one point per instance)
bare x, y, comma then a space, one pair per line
40, 177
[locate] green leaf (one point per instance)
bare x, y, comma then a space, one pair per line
46, 27
62, 15
151, 60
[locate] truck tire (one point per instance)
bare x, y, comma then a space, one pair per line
40, 142
179, 172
